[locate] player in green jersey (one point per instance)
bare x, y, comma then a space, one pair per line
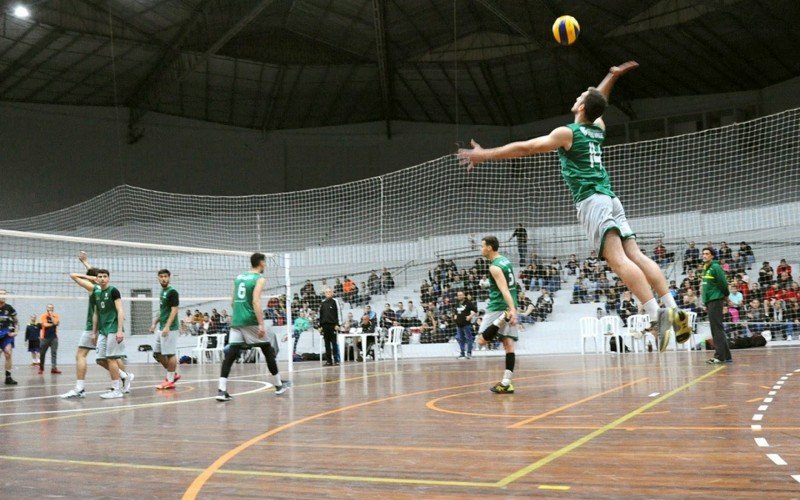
599, 210
108, 324
247, 327
501, 311
165, 326
88, 339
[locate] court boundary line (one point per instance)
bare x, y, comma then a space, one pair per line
514, 476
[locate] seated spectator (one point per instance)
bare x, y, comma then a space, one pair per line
187, 324
738, 264
691, 281
552, 280
387, 280
363, 296
526, 309
556, 264
765, 275
746, 251
388, 316
660, 254
754, 318
735, 298
743, 287
673, 290
690, 300
225, 322
367, 326
307, 291
572, 265
591, 263
755, 292
410, 317
792, 293
792, 318
349, 290
725, 252
373, 317
526, 277
373, 284
579, 290
784, 280
544, 305
627, 308
612, 300
783, 267
301, 324
603, 285
398, 312
691, 257
349, 324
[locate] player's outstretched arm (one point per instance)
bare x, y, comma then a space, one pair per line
613, 74
560, 137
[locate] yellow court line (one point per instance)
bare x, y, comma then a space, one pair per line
239, 472
540, 416
585, 439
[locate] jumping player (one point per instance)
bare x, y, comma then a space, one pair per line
599, 210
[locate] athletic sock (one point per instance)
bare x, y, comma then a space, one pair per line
651, 309
79, 385
668, 300
507, 378
123, 374
278, 381
116, 384
171, 376
223, 383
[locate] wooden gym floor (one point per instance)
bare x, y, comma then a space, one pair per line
578, 426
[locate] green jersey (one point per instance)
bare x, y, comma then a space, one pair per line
582, 166
496, 301
90, 312
169, 299
243, 286
104, 300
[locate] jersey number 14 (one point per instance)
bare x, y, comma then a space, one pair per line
595, 156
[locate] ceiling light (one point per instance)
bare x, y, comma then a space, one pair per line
21, 12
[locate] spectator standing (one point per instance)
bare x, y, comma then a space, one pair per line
387, 280
521, 235
465, 313
32, 336
48, 339
8, 330
301, 324
715, 291
328, 322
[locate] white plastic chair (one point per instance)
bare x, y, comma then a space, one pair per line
590, 329
637, 330
394, 341
610, 327
692, 316
201, 349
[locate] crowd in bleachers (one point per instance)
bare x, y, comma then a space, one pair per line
203, 323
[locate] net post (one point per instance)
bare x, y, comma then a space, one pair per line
288, 312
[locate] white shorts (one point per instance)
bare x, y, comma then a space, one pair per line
600, 213
506, 330
247, 336
108, 348
166, 345
85, 341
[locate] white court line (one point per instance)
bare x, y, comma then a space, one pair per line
780, 382
776, 387
796, 477
768, 400
785, 377
266, 385
137, 386
776, 459
772, 393
763, 408
797, 371
762, 442
755, 427
653, 395
758, 417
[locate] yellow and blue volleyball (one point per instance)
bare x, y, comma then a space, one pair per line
566, 30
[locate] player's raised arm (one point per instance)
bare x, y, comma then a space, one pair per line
84, 281
613, 74
558, 138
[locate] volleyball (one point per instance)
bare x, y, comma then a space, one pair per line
566, 30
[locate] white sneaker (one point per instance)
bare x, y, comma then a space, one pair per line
126, 384
111, 395
283, 387
74, 394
